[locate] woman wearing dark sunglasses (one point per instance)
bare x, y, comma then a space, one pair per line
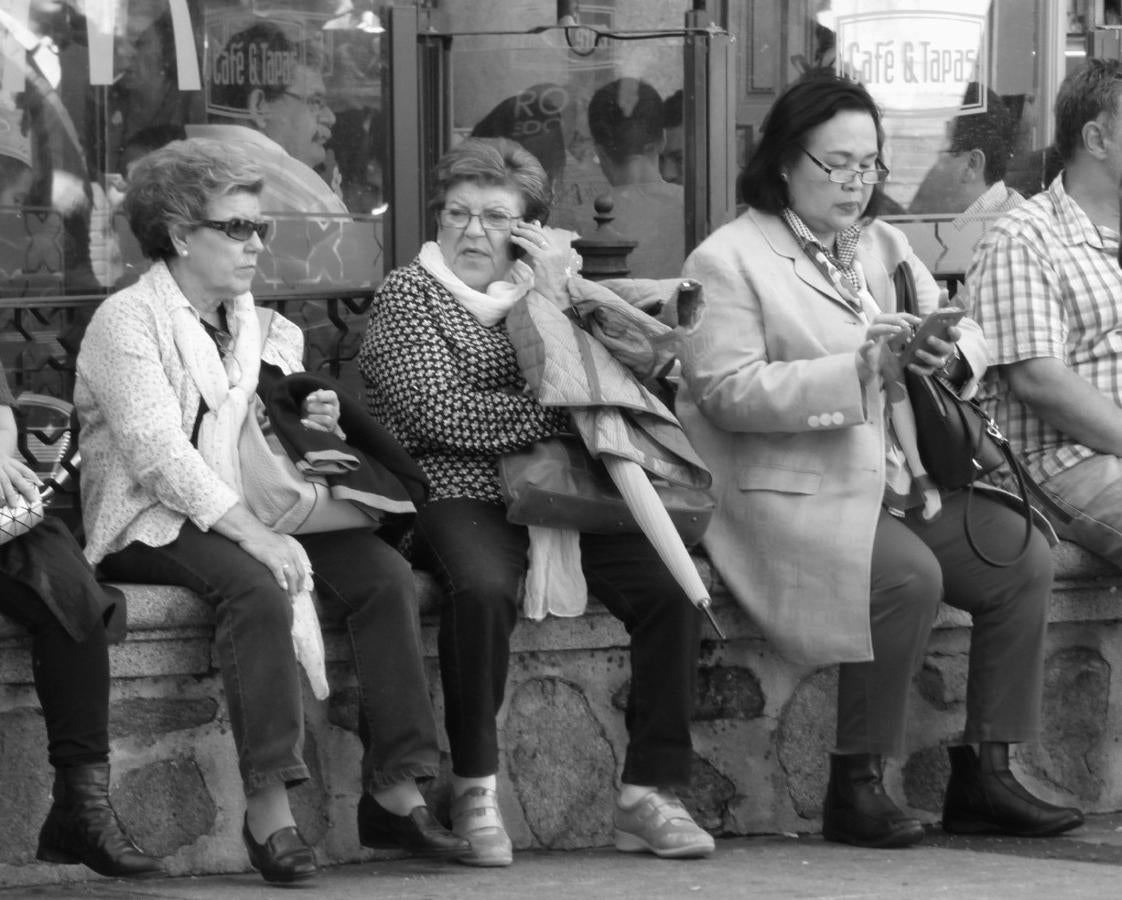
167, 386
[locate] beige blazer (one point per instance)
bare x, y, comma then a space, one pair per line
771, 400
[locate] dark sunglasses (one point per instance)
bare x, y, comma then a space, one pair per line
238, 229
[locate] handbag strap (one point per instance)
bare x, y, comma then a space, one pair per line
905, 283
1026, 510
906, 301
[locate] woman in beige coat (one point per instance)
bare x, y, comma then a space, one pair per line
819, 530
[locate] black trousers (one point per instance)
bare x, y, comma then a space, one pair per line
481, 558
71, 678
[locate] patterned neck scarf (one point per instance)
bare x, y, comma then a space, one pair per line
837, 266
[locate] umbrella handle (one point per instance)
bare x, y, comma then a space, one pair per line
654, 521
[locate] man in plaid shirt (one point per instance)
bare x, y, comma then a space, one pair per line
1046, 287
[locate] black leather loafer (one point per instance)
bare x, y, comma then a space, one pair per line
419, 832
285, 856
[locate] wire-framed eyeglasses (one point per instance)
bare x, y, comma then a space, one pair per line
847, 176
317, 103
490, 219
238, 229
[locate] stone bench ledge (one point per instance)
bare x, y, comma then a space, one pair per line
171, 629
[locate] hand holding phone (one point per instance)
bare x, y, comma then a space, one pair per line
936, 324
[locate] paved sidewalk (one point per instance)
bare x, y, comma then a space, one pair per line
1082, 866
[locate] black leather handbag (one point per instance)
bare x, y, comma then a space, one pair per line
958, 442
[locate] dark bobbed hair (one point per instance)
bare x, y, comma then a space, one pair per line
1084, 95
493, 161
990, 131
673, 109
533, 118
626, 118
173, 186
809, 102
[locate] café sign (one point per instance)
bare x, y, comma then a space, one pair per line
914, 62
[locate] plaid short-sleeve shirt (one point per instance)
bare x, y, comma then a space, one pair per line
1045, 282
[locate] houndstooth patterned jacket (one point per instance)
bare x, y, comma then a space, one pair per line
448, 387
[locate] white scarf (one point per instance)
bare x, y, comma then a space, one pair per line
489, 308
228, 386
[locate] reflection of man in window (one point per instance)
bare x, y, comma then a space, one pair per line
969, 175
279, 110
45, 53
627, 123
671, 160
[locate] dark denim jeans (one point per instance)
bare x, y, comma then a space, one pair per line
71, 678
480, 559
360, 580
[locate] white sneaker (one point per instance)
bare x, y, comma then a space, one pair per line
476, 818
659, 824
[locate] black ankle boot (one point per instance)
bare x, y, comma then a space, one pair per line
82, 827
987, 799
858, 811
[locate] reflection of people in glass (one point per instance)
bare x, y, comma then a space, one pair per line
627, 123
15, 160
671, 159
357, 141
283, 119
968, 176
50, 61
535, 119
147, 94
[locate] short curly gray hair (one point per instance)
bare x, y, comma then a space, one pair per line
174, 185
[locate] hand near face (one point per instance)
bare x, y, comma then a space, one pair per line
549, 252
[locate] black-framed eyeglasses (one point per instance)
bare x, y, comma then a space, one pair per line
316, 102
238, 229
490, 219
879, 175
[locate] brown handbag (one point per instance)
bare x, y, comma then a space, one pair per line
556, 482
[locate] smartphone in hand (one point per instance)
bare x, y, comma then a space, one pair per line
936, 324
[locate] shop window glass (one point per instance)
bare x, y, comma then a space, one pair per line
84, 94
958, 85
596, 112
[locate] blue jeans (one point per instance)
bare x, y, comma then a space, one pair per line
360, 580
1092, 493
480, 559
